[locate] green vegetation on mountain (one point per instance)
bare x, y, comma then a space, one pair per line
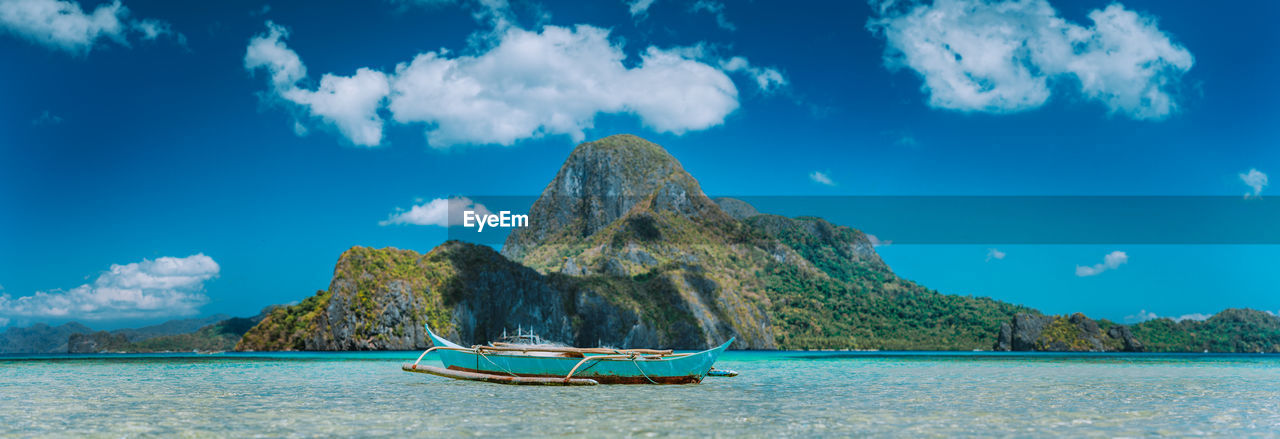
1232, 330
380, 299
365, 276
220, 336
861, 303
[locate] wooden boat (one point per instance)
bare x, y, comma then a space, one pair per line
541, 364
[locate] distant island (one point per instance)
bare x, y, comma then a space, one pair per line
624, 249
218, 332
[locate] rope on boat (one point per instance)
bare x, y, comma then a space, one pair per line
481, 353
646, 376
594, 357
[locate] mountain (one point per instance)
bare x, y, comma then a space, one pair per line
624, 249
221, 335
1231, 330
380, 298
39, 338
1031, 332
44, 339
172, 327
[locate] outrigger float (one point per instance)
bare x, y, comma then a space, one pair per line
544, 364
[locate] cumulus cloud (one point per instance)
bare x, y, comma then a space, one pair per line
526, 85
64, 25
1254, 179
994, 254
716, 9
162, 287
442, 212
555, 82
767, 78
821, 178
639, 8
349, 103
1145, 315
1006, 56
46, 118
1111, 261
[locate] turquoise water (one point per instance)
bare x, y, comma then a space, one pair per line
777, 394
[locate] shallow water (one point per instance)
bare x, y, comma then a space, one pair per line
777, 394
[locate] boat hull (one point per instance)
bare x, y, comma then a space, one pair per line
678, 369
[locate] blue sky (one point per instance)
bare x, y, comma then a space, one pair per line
136, 137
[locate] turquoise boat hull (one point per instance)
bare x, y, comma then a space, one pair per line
677, 369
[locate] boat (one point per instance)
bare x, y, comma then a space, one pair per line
546, 364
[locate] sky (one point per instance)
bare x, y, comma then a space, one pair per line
168, 159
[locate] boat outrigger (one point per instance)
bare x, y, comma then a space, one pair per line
516, 363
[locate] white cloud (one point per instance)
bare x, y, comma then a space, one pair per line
1111, 261
268, 51
821, 178
349, 103
442, 212
994, 254
1193, 316
1254, 179
153, 29
1142, 316
639, 8
162, 287
767, 78
46, 119
64, 25
716, 9
527, 85
1145, 315
1005, 56
555, 82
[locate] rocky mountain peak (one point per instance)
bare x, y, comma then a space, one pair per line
603, 181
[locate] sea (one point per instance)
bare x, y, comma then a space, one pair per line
776, 394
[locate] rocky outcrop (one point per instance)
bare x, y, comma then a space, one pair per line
738, 209
1034, 332
379, 299
1021, 333
1128, 341
623, 208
